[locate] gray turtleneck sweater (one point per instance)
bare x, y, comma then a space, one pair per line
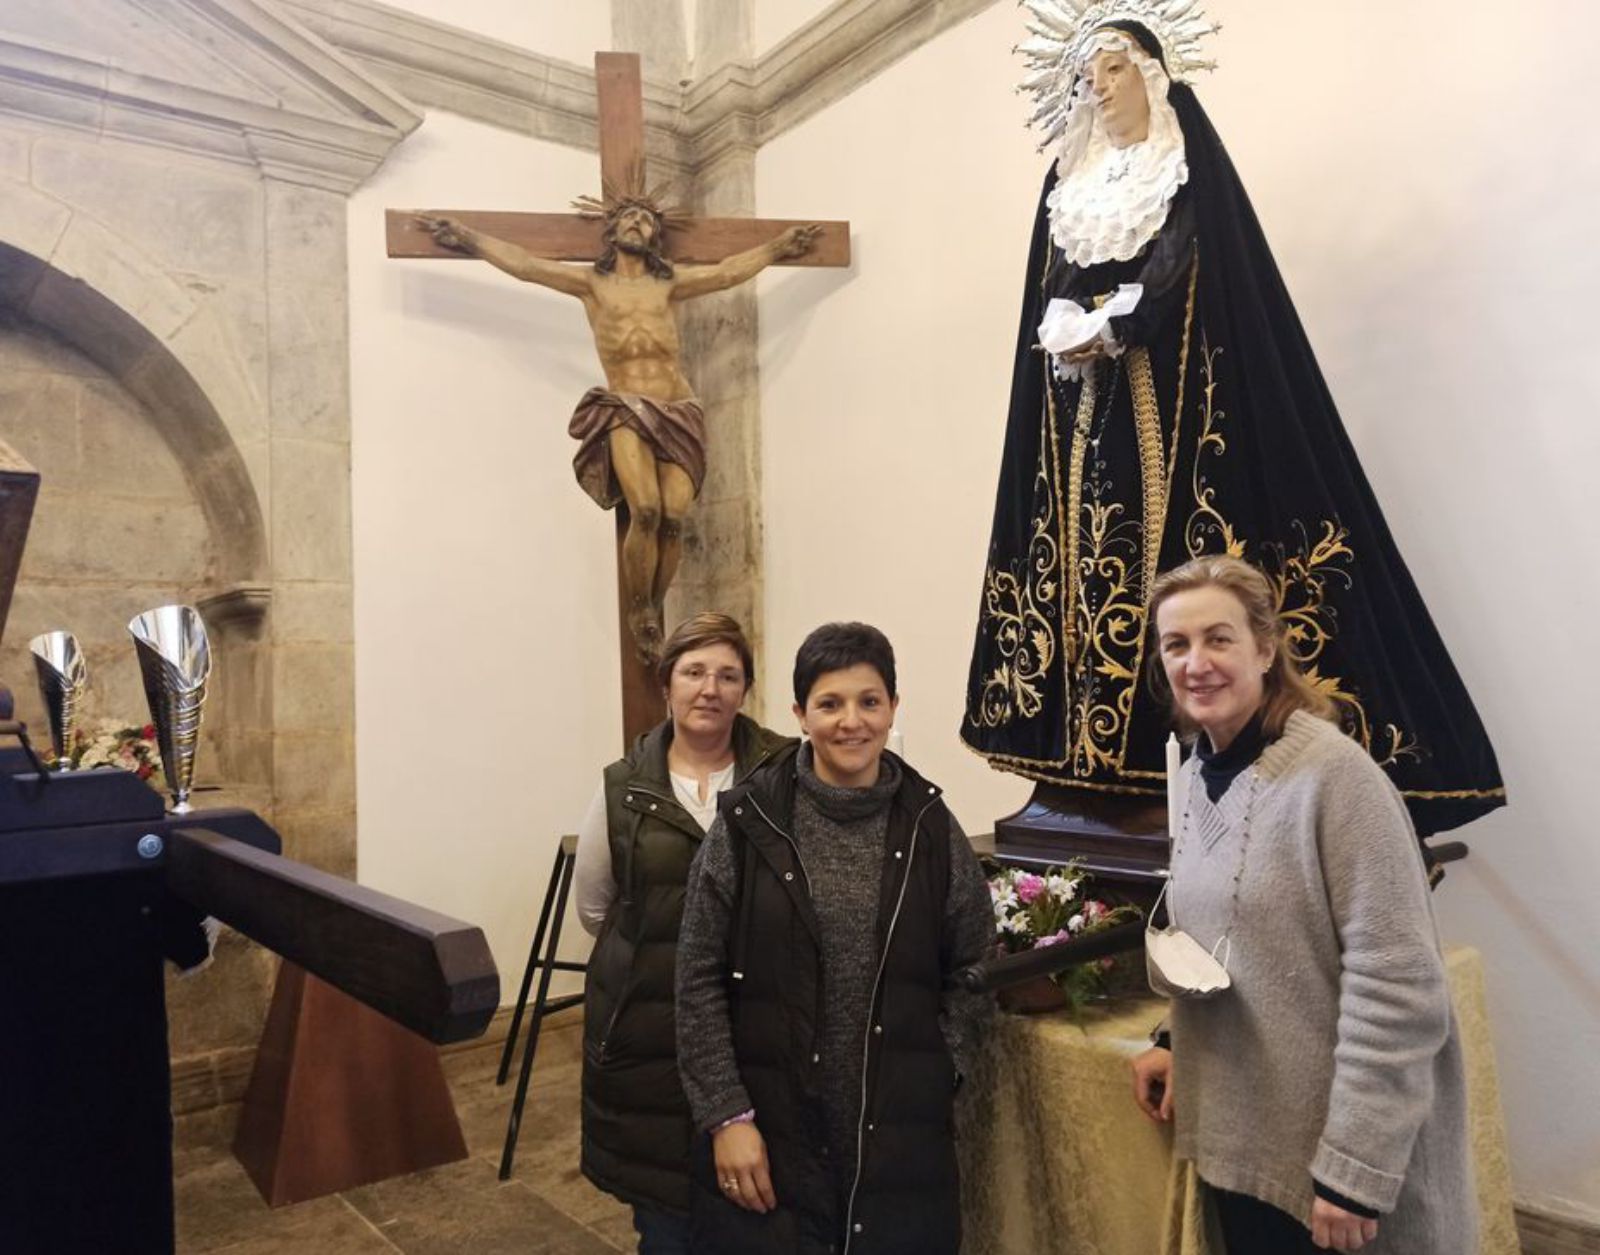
1334, 1056
840, 833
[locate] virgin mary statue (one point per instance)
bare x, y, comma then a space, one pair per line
1165, 403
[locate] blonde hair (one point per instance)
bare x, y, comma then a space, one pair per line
1285, 687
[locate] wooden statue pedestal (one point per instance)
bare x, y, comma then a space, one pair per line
1119, 838
340, 1096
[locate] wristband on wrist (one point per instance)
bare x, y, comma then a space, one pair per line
744, 1117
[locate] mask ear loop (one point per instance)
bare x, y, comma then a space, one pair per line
1150, 919
1225, 944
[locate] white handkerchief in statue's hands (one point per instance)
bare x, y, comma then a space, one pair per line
1067, 325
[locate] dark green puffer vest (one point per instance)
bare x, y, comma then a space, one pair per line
636, 1124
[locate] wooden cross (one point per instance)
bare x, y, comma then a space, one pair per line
571, 237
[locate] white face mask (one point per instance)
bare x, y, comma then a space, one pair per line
1178, 966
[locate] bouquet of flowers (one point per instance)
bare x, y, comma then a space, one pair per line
1033, 910
113, 743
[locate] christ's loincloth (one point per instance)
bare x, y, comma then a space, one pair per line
674, 430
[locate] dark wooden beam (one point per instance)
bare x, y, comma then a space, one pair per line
431, 973
567, 237
620, 90
643, 703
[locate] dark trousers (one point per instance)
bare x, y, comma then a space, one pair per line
1251, 1227
660, 1232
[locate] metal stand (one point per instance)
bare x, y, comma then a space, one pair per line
543, 957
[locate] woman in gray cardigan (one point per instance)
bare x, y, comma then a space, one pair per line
1321, 1095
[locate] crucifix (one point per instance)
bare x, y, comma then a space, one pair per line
642, 436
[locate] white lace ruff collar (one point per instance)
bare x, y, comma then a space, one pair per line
1110, 202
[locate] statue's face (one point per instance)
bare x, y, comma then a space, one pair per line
636, 229
1117, 89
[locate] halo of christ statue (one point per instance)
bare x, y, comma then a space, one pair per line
1165, 404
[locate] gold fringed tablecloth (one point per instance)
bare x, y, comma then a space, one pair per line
1057, 1160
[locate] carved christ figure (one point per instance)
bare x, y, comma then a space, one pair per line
641, 437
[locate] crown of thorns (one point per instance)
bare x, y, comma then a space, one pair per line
633, 194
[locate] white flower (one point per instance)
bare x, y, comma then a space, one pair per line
1075, 924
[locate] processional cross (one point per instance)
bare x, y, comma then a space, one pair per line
642, 437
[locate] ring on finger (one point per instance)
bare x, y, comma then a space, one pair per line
731, 1185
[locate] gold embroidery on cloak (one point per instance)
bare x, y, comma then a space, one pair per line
1112, 639
1299, 580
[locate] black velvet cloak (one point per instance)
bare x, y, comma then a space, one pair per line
1213, 432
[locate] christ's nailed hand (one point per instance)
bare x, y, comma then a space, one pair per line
797, 241
446, 232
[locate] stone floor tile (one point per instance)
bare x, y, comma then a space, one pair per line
219, 1207
547, 1208
463, 1208
340, 1231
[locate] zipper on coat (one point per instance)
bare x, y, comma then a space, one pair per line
611, 1020
866, 1043
793, 844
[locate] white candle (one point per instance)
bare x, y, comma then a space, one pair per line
1174, 761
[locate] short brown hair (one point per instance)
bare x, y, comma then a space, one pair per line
702, 630
1286, 688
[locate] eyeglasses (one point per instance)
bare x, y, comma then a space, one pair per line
727, 677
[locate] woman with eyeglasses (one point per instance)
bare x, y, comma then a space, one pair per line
635, 846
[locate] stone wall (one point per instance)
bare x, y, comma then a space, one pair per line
117, 529
174, 360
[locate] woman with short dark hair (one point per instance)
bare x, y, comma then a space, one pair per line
635, 846
1313, 1065
819, 1040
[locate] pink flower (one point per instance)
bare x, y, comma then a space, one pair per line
1094, 909
1029, 887
1052, 939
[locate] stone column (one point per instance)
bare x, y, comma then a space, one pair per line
722, 34
722, 567
655, 30
311, 630
722, 543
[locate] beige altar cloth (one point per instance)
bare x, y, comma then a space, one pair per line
1057, 1160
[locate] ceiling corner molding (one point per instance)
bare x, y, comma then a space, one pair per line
443, 67
334, 138
841, 48
734, 109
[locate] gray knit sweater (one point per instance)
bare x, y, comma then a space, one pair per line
840, 833
1335, 1054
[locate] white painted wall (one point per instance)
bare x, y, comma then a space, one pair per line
1422, 174
569, 29
485, 603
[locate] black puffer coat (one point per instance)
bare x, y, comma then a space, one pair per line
904, 1199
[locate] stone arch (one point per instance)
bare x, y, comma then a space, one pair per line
100, 294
